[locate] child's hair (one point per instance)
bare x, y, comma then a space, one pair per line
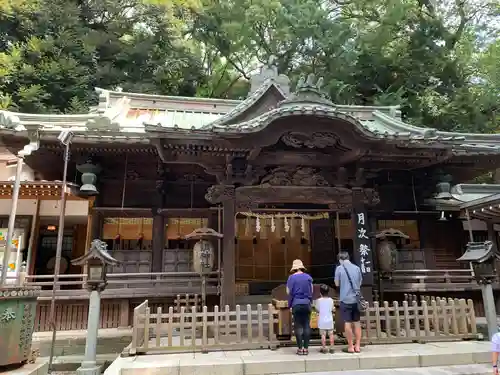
323, 290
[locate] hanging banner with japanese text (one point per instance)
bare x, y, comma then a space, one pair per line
363, 253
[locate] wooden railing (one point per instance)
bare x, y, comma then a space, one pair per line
202, 330
123, 285
247, 328
428, 280
430, 276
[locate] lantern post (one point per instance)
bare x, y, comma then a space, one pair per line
97, 261
482, 256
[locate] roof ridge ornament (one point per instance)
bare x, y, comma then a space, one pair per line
269, 72
308, 90
110, 119
9, 120
310, 84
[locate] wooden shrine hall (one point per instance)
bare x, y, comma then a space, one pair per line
282, 174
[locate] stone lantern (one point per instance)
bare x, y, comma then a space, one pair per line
482, 256
203, 254
97, 261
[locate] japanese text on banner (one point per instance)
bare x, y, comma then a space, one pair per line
363, 244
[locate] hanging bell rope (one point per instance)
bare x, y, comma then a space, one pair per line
248, 224
293, 228
263, 228
279, 228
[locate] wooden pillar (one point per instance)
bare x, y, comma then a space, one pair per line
158, 242
228, 252
363, 252
492, 236
96, 223
34, 237
225, 194
213, 223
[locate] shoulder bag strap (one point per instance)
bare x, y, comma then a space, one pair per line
349, 278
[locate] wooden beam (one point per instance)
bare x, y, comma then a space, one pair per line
306, 158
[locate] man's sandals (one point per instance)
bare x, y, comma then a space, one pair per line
353, 351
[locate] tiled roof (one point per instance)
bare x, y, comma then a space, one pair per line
465, 193
127, 117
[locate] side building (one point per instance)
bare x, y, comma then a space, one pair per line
282, 175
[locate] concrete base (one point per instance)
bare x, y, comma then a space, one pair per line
40, 367
285, 361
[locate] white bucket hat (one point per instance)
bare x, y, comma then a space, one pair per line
297, 265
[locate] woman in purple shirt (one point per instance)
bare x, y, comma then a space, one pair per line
300, 290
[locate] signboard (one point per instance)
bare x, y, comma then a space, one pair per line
16, 239
363, 254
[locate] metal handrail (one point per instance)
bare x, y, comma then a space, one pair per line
127, 280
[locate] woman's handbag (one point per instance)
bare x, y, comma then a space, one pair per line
362, 303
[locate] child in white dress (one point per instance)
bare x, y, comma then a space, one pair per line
325, 308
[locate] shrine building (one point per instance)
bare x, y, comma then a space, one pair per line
282, 174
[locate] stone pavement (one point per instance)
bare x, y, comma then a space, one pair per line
285, 361
71, 343
435, 370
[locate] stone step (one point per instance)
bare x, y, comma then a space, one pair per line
285, 361
478, 369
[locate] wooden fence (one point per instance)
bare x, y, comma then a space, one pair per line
189, 331
74, 315
441, 320
247, 328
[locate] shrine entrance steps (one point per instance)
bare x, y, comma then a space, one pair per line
418, 357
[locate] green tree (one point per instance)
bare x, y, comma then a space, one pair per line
53, 53
414, 53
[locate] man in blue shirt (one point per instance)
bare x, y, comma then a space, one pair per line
348, 296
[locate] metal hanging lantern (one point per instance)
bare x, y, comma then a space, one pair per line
89, 173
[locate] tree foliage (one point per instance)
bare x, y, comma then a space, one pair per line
55, 52
438, 60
